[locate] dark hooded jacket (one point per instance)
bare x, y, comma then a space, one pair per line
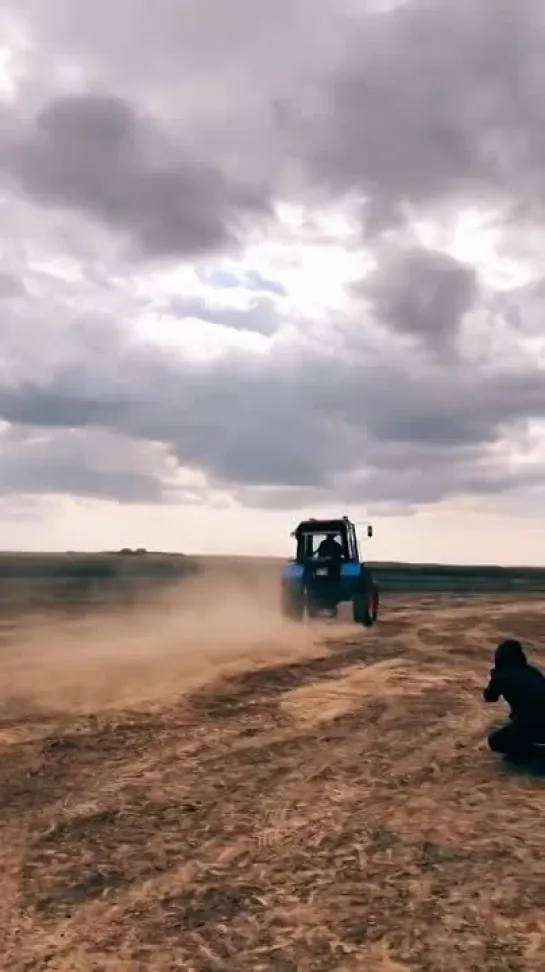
330, 548
521, 685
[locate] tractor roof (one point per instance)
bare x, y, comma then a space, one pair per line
338, 525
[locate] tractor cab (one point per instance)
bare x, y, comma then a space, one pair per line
311, 534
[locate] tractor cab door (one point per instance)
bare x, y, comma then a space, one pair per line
305, 550
352, 540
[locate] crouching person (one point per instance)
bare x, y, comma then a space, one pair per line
522, 686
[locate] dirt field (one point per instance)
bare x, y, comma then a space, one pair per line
190, 783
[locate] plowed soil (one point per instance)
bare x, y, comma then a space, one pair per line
217, 791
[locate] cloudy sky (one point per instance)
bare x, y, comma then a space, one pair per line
269, 260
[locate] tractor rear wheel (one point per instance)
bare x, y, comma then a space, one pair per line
365, 606
375, 601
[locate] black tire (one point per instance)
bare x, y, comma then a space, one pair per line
365, 606
360, 610
375, 603
293, 605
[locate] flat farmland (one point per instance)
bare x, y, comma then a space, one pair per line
188, 782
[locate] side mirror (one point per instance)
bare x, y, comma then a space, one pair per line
369, 531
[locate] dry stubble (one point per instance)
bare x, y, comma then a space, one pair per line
325, 803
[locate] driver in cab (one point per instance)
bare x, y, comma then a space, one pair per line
330, 548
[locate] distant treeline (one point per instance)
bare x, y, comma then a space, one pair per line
450, 579
95, 567
135, 568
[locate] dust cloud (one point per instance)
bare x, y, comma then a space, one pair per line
151, 652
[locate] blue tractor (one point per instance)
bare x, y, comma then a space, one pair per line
326, 571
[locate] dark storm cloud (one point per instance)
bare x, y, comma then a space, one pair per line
31, 404
423, 293
420, 105
91, 463
276, 425
96, 155
215, 113
436, 104
63, 476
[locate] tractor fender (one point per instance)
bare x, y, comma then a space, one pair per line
362, 578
